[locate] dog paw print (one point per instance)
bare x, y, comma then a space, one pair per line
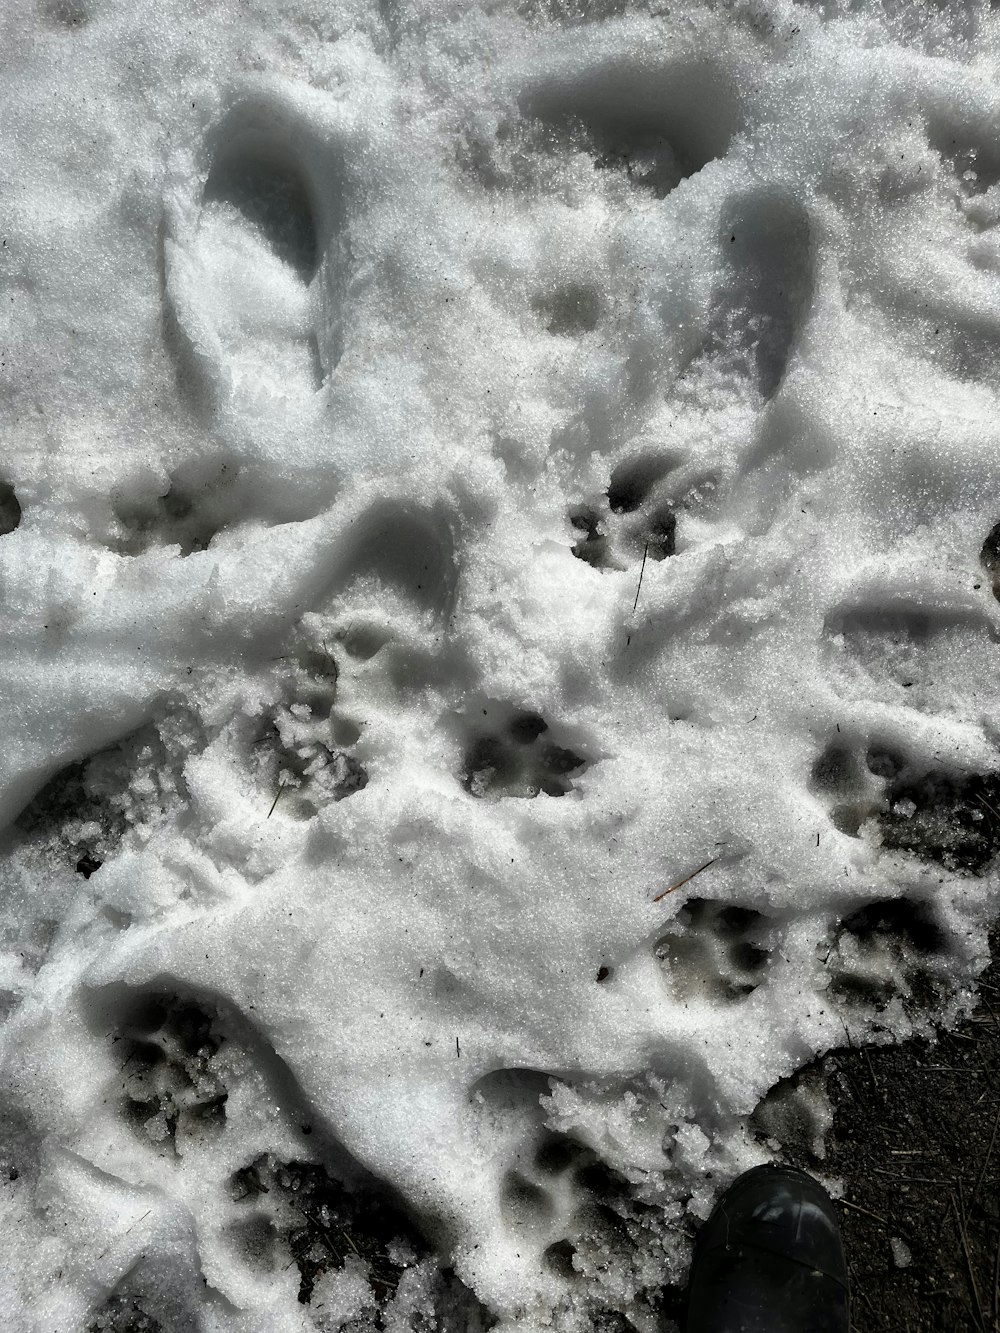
989, 558
171, 1083
852, 789
883, 949
715, 953
519, 758
85, 810
632, 521
195, 506
299, 1210
123, 1314
951, 819
554, 1187
305, 755
544, 1200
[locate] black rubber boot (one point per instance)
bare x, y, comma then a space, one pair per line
770, 1259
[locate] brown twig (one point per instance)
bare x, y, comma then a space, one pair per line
989, 1154
960, 1220
858, 1209
125, 1233
686, 880
281, 788
642, 570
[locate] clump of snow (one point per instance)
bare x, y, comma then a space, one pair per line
901, 1255
498, 544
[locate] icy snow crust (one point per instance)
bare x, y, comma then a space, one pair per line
358, 364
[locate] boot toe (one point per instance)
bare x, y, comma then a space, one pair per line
770, 1259
783, 1211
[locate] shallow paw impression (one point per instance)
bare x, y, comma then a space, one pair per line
172, 1088
634, 121
764, 293
193, 509
88, 807
514, 753
632, 521
715, 953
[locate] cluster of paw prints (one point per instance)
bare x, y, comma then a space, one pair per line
951, 819
889, 947
317, 1213
717, 953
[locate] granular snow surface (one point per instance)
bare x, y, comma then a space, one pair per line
499, 658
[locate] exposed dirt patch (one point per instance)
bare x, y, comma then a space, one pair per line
916, 1139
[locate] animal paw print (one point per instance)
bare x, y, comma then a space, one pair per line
882, 950
518, 759
305, 754
948, 818
853, 789
629, 523
172, 1087
552, 1183
123, 1314
952, 819
306, 1214
196, 505
540, 1201
298, 1208
715, 953
989, 557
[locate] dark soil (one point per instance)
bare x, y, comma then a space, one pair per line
916, 1139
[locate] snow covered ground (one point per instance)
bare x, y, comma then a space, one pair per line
464, 470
